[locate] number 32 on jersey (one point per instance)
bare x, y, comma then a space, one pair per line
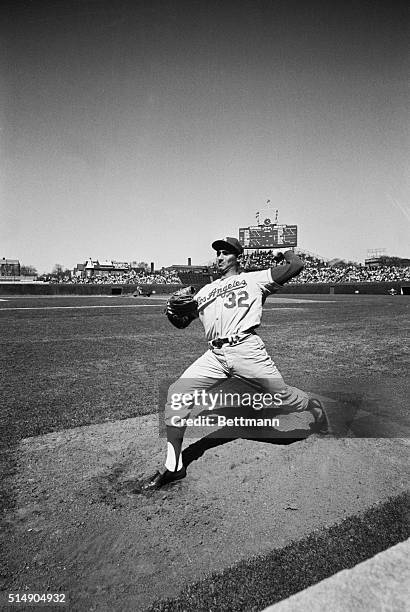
233, 300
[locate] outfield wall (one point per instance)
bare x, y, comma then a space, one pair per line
74, 289
10, 289
371, 288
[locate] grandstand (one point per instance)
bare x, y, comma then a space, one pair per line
128, 277
106, 272
318, 270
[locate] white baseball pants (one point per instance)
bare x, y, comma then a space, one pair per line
247, 360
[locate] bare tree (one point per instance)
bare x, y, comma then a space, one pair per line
28, 270
143, 264
58, 271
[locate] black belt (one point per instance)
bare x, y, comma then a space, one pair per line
219, 342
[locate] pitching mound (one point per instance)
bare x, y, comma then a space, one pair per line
81, 526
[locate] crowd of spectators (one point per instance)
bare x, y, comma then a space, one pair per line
317, 270
132, 277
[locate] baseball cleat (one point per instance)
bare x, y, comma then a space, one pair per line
160, 479
319, 414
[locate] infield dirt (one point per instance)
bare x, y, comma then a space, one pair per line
81, 527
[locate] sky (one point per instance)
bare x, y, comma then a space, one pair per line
144, 130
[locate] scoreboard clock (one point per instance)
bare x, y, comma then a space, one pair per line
268, 236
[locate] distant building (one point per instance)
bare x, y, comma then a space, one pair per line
9, 268
79, 271
93, 268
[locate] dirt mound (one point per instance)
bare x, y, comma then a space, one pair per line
82, 527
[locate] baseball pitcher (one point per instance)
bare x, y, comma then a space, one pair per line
230, 309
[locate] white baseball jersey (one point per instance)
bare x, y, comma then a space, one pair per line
233, 305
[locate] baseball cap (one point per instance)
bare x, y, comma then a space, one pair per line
228, 244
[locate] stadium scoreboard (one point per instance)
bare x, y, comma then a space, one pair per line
268, 236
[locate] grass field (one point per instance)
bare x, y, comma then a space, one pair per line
69, 362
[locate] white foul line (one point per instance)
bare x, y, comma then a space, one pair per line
78, 307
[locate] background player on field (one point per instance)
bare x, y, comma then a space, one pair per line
230, 310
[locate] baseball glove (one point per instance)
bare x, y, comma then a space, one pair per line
182, 308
